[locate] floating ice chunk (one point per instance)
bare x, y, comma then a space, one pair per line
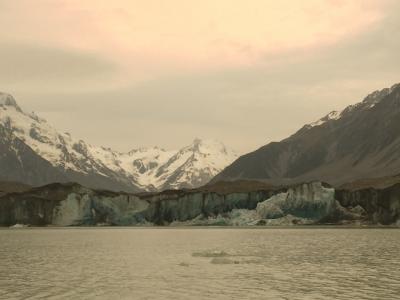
15, 226
210, 253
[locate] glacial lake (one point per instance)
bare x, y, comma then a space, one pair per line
199, 263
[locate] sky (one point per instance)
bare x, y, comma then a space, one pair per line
131, 73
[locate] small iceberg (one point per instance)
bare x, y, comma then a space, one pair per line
210, 253
15, 226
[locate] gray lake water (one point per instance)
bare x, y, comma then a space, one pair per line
199, 263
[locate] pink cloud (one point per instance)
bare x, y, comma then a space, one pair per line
158, 36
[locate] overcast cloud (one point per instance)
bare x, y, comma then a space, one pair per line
123, 80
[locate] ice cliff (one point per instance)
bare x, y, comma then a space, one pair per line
309, 203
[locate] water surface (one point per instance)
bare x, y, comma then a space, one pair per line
199, 263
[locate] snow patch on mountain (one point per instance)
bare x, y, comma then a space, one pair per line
334, 115
369, 102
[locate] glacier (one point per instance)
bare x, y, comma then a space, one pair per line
303, 204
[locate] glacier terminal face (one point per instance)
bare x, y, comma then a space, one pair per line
309, 203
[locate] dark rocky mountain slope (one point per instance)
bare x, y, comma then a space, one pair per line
362, 141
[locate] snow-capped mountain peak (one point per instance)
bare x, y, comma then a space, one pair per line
145, 168
194, 165
7, 100
207, 145
212, 151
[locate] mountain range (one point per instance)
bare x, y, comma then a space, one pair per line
35, 153
360, 142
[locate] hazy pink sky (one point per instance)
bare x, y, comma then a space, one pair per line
176, 69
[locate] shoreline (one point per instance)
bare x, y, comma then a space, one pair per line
333, 226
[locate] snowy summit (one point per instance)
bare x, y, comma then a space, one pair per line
142, 169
